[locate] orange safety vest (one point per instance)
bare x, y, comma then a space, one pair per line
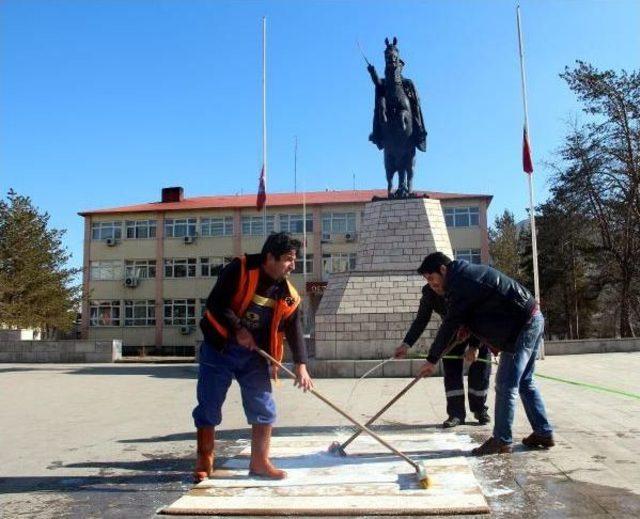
283, 309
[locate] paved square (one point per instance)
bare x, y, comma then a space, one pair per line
114, 441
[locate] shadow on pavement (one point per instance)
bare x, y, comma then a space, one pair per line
156, 371
237, 434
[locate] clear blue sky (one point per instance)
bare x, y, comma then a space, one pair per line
103, 102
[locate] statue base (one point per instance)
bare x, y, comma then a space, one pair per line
365, 313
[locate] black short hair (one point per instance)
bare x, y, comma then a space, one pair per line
433, 262
279, 243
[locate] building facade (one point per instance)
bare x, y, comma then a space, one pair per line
149, 268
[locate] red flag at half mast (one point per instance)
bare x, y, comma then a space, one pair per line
262, 191
527, 162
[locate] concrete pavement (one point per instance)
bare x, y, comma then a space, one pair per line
117, 440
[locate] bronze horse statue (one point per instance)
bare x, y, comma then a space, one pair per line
398, 126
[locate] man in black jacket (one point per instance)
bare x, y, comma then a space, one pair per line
504, 314
252, 305
479, 372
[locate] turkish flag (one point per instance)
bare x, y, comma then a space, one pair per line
527, 162
261, 200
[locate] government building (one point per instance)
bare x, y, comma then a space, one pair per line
148, 268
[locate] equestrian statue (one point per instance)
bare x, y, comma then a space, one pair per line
398, 126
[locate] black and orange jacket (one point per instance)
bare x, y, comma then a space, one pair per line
233, 291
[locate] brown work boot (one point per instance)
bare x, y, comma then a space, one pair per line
492, 446
260, 464
204, 462
537, 440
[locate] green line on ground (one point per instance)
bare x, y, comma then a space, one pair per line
591, 386
565, 381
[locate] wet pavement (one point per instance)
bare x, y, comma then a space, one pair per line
117, 440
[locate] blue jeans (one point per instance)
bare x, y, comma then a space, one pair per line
217, 370
515, 375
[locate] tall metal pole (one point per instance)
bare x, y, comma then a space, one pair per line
264, 116
305, 306
532, 218
295, 165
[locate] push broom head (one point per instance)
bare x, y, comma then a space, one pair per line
336, 449
423, 478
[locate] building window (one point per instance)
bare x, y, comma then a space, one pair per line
461, 216
140, 229
292, 223
470, 255
180, 267
140, 313
338, 262
213, 265
216, 226
338, 223
254, 225
141, 269
179, 312
105, 230
299, 269
104, 313
106, 270
203, 307
177, 228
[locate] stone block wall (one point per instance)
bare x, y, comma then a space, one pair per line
60, 351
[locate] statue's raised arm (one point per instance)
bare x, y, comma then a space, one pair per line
374, 75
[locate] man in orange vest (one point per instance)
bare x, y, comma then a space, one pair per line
252, 305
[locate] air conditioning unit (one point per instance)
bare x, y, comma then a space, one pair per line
130, 282
186, 330
351, 236
188, 239
111, 242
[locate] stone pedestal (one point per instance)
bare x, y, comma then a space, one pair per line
365, 313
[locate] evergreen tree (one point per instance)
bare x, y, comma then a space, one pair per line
599, 176
36, 286
503, 245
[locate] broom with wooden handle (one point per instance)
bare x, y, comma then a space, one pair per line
336, 447
421, 471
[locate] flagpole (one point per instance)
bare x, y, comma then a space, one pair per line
305, 305
295, 165
264, 117
532, 218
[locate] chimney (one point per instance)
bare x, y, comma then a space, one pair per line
172, 194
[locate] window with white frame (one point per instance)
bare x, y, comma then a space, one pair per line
216, 226
338, 262
179, 312
292, 223
142, 269
104, 313
137, 229
254, 225
461, 216
470, 255
213, 265
140, 313
107, 270
179, 227
309, 262
105, 230
338, 223
203, 307
180, 267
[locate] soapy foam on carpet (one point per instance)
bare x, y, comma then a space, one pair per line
369, 481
